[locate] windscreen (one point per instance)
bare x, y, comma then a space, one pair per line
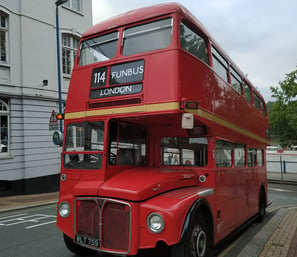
147, 37
84, 145
98, 49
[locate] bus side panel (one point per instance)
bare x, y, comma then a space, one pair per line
241, 195
78, 93
225, 202
198, 82
234, 108
161, 85
174, 207
256, 177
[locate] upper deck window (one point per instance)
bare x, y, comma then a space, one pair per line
193, 43
220, 65
235, 80
259, 104
247, 92
148, 37
98, 49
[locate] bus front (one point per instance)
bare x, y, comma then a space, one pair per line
130, 173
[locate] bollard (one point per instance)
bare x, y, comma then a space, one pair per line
281, 166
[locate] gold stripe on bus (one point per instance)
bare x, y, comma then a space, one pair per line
171, 106
122, 110
227, 124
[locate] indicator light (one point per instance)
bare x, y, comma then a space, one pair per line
60, 116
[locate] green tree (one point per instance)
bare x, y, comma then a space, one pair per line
283, 117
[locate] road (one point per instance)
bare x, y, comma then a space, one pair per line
33, 232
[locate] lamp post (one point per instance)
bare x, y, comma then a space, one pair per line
58, 3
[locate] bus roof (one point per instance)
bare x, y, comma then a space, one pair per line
154, 11
142, 14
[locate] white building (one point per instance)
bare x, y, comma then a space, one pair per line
29, 161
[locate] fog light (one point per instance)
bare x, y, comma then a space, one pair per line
64, 209
155, 223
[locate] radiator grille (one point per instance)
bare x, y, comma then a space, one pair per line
87, 218
115, 227
107, 220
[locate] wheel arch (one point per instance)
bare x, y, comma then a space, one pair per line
263, 189
199, 207
262, 203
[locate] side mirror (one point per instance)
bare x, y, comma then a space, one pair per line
58, 138
188, 121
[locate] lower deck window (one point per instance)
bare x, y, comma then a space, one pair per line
127, 144
252, 157
224, 153
184, 151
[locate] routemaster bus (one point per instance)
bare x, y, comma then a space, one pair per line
164, 139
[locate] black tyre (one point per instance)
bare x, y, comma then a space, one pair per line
262, 206
197, 242
75, 248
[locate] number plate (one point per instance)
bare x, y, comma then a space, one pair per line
87, 241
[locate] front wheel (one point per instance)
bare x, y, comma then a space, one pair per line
75, 248
197, 241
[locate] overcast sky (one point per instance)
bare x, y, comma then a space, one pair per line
260, 36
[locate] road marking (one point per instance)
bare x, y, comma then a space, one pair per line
22, 218
13, 216
41, 224
281, 190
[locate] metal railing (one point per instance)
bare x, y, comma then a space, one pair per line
282, 166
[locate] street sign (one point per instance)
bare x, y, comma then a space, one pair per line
53, 122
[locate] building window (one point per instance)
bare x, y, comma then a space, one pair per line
4, 126
3, 37
74, 5
69, 48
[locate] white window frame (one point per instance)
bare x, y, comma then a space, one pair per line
5, 30
4, 143
69, 59
74, 5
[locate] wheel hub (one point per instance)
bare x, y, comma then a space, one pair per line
200, 243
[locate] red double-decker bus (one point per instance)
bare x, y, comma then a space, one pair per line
164, 141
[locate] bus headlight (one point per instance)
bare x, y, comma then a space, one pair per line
155, 222
64, 209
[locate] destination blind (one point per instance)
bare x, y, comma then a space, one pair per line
119, 74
